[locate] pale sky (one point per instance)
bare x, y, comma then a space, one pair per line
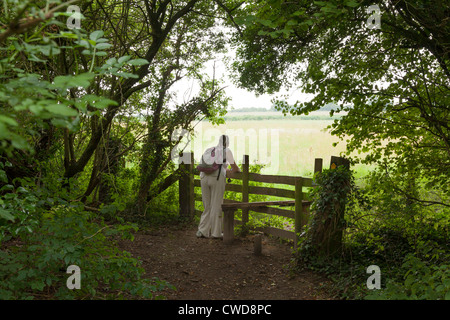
241, 98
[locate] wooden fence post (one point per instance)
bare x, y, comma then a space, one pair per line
318, 162
186, 187
228, 226
245, 182
257, 244
299, 217
191, 188
335, 236
338, 161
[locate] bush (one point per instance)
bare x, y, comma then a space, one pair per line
421, 281
407, 240
40, 236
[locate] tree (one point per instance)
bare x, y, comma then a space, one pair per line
392, 81
154, 21
131, 67
177, 38
39, 96
190, 46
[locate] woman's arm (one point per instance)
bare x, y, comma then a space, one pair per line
234, 167
232, 163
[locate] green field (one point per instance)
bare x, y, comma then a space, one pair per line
284, 146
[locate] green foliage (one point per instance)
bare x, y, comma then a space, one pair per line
406, 240
66, 94
333, 190
43, 97
164, 208
421, 281
394, 99
43, 229
18, 212
40, 248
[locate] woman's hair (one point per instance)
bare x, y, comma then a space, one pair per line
227, 140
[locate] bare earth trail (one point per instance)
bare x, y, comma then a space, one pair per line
207, 269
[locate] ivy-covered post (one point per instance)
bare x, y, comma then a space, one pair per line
329, 198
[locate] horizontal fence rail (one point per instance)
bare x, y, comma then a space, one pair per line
268, 191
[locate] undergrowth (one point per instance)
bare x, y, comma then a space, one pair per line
43, 232
408, 242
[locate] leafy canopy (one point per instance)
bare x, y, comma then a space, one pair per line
391, 83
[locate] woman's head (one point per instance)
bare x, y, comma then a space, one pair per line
227, 140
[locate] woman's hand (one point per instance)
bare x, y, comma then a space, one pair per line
234, 168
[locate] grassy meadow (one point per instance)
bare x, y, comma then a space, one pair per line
284, 145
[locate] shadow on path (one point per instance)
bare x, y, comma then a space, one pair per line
207, 269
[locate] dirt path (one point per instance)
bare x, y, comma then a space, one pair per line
206, 269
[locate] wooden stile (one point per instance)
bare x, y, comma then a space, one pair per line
297, 198
300, 214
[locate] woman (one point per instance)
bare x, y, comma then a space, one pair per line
213, 188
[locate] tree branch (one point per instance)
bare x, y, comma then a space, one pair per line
20, 26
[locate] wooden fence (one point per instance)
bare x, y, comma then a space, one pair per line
300, 214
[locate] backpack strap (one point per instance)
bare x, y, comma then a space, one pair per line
224, 156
